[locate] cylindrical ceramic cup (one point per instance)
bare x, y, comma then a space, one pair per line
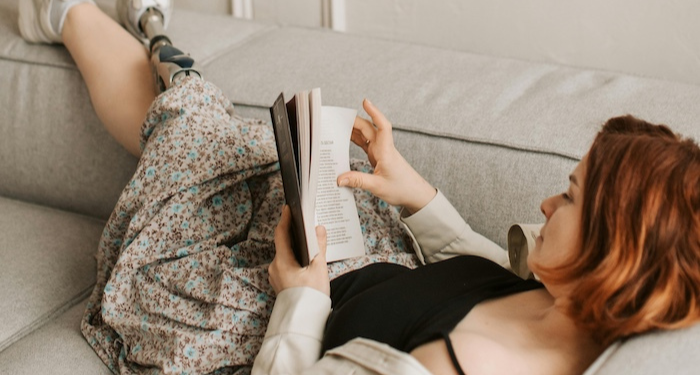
521, 239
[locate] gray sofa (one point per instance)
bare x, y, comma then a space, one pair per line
495, 135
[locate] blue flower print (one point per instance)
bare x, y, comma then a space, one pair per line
217, 201
190, 352
150, 172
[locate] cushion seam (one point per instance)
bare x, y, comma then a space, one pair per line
52, 208
475, 140
214, 56
41, 321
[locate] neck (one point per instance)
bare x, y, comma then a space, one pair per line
560, 330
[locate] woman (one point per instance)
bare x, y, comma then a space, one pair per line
619, 255
182, 282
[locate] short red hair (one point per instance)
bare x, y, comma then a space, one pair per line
638, 267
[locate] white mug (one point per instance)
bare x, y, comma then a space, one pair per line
521, 239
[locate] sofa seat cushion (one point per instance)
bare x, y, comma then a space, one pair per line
58, 348
47, 265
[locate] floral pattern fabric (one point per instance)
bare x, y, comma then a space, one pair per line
182, 284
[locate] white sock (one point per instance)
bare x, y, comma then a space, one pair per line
59, 10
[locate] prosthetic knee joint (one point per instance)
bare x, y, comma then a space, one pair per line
168, 62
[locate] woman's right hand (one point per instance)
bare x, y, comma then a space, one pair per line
393, 180
284, 270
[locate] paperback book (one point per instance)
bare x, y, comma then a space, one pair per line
313, 145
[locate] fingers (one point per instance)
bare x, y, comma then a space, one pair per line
378, 118
358, 180
382, 135
363, 132
284, 272
283, 242
284, 258
357, 138
320, 258
368, 129
322, 238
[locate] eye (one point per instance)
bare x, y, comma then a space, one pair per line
566, 197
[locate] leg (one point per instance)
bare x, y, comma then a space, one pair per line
116, 69
114, 65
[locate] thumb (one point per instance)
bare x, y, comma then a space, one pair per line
322, 238
358, 180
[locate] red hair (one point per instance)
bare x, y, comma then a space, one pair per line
638, 265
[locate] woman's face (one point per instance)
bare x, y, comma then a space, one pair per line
561, 232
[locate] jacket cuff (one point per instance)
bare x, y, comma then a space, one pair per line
293, 339
434, 226
301, 311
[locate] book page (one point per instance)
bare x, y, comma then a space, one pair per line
315, 129
335, 206
304, 129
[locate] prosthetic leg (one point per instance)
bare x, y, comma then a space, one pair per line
168, 62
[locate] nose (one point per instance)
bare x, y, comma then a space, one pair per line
550, 205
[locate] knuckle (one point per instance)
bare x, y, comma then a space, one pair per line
358, 182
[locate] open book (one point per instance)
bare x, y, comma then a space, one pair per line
313, 145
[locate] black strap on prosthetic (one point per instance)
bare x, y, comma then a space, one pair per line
155, 41
168, 53
167, 61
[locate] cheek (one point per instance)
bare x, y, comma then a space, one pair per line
534, 254
541, 254
560, 242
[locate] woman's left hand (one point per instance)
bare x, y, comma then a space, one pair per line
285, 272
393, 180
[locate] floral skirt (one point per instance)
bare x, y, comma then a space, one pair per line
182, 284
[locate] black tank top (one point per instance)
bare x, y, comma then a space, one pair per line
406, 308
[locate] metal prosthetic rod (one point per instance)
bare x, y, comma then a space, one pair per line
168, 62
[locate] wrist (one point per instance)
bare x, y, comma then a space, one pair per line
421, 197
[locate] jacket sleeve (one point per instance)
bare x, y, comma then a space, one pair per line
439, 233
292, 342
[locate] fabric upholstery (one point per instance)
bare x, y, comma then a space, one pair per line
57, 348
672, 352
47, 265
495, 135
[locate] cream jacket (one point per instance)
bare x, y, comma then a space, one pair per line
292, 342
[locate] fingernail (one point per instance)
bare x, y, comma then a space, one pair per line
369, 102
344, 182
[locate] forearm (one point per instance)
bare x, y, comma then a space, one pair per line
294, 334
440, 233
